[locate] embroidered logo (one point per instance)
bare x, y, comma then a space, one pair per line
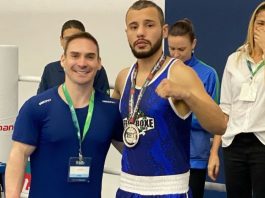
108, 101
44, 101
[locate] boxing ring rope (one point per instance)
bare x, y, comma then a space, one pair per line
208, 185
35, 79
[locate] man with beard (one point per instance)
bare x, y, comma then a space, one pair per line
157, 95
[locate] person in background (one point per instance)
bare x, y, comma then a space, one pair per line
61, 131
53, 74
242, 101
157, 95
181, 43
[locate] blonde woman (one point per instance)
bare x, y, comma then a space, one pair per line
243, 101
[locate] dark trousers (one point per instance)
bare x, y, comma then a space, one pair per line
197, 182
244, 163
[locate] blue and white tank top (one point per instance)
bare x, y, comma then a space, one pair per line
164, 145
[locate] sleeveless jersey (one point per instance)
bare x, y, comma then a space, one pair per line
164, 144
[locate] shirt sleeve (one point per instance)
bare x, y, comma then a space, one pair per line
213, 86
43, 83
225, 98
26, 129
101, 81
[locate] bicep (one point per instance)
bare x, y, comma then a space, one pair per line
194, 84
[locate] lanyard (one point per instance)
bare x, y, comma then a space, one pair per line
74, 117
133, 111
253, 73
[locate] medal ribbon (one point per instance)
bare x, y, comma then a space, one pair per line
74, 116
253, 73
133, 111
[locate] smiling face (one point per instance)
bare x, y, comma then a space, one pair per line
81, 61
144, 32
181, 47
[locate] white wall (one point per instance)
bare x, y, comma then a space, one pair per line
34, 26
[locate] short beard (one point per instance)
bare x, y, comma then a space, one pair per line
152, 51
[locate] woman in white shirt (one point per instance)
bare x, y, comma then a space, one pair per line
243, 102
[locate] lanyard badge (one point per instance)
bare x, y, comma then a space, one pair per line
79, 167
249, 90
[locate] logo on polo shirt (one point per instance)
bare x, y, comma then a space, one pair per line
109, 101
45, 101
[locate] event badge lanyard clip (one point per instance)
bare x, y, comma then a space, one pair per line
79, 167
249, 90
253, 73
131, 132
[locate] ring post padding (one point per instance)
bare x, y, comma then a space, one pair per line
8, 96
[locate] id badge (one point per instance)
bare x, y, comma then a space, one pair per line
79, 169
248, 92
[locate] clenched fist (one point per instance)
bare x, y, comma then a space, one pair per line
167, 88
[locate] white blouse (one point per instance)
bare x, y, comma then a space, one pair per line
244, 116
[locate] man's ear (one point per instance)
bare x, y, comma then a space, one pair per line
165, 31
194, 44
62, 61
99, 62
61, 41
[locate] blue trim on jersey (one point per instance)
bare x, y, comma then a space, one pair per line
200, 138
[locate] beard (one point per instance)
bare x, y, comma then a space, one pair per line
148, 53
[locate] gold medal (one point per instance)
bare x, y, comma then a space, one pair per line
131, 135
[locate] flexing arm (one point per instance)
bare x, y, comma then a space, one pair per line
184, 85
14, 176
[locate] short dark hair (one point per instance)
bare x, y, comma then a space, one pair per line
141, 4
81, 35
72, 24
182, 27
